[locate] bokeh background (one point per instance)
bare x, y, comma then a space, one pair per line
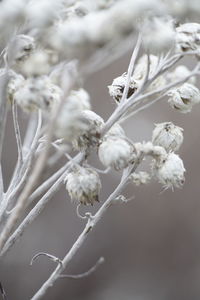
151, 245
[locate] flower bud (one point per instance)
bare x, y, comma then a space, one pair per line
83, 185
90, 136
37, 93
184, 97
171, 172
188, 37
168, 136
16, 82
117, 88
179, 73
158, 35
19, 49
116, 152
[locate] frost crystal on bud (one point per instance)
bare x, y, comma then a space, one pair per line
117, 88
168, 136
188, 37
19, 49
184, 97
140, 178
90, 136
37, 93
171, 172
158, 35
83, 185
116, 152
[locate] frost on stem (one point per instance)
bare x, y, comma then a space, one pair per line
170, 172
83, 185
184, 97
168, 136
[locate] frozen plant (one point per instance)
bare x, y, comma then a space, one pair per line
48, 50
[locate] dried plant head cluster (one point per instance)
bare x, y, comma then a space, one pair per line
48, 50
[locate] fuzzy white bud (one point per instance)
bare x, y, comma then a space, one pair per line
91, 135
171, 172
116, 89
116, 152
37, 93
83, 185
180, 73
168, 136
19, 49
184, 97
188, 37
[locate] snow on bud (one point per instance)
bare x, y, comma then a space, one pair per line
171, 172
158, 35
37, 93
91, 135
140, 178
188, 37
19, 49
184, 97
116, 89
168, 136
116, 152
83, 185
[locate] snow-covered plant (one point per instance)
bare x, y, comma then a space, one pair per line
48, 49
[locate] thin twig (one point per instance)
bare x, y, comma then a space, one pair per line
50, 256
17, 132
100, 261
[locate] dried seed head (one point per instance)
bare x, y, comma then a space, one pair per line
171, 172
81, 98
83, 185
188, 37
168, 136
90, 136
37, 93
19, 49
184, 97
117, 88
116, 152
140, 178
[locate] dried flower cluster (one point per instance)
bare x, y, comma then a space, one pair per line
48, 50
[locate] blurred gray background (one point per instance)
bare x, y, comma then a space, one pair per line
151, 245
